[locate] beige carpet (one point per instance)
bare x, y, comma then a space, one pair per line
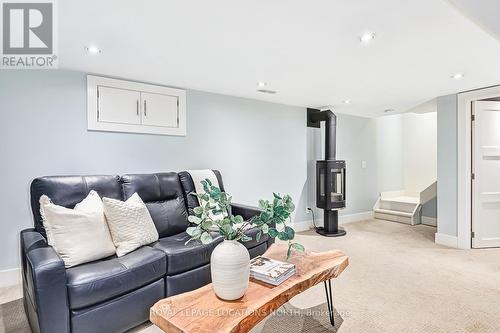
398, 281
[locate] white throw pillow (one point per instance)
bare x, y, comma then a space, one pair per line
130, 224
78, 235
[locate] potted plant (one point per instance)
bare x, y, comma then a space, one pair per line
230, 260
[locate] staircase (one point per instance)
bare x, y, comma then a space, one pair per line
402, 206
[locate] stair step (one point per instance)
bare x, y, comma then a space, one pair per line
398, 205
393, 217
393, 212
403, 199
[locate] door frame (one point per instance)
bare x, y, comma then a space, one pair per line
464, 163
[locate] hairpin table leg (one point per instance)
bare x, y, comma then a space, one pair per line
329, 300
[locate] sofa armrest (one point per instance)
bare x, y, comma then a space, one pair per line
44, 284
247, 212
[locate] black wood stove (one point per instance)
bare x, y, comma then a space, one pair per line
330, 175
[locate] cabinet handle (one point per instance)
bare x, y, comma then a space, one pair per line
145, 111
137, 107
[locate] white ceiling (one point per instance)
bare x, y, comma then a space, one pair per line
482, 12
308, 51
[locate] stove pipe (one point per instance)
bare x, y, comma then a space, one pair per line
330, 175
330, 120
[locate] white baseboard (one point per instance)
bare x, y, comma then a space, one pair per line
10, 277
301, 226
432, 221
446, 240
343, 219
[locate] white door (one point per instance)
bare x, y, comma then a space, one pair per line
160, 110
118, 105
486, 174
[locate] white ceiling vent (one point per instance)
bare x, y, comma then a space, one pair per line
267, 91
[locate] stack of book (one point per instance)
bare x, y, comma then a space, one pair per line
270, 271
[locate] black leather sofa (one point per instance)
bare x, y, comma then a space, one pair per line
115, 294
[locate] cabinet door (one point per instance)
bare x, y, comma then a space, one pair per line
118, 105
159, 110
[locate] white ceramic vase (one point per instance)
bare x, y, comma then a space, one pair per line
230, 267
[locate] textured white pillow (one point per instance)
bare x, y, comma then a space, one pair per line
130, 224
78, 235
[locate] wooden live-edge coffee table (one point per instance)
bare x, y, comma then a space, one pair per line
201, 311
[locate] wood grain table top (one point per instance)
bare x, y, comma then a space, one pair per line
201, 311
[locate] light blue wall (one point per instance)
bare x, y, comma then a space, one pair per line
356, 142
259, 147
447, 147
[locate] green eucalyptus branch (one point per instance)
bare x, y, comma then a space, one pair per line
213, 215
272, 220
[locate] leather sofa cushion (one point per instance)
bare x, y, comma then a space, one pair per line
187, 281
258, 250
67, 191
98, 281
188, 188
181, 257
117, 315
163, 195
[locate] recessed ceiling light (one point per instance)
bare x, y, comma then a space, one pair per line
457, 76
367, 37
92, 49
347, 101
261, 84
388, 110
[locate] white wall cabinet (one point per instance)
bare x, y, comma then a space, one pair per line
159, 110
118, 105
126, 106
